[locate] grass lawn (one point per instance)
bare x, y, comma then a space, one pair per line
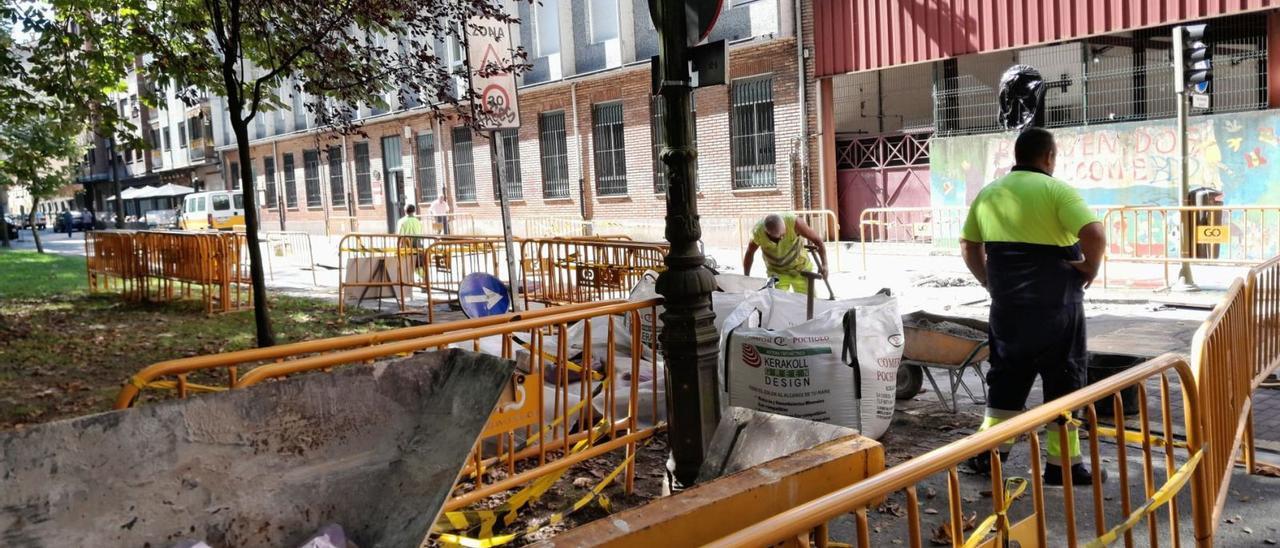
65, 352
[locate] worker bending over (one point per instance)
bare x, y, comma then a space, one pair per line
1034, 244
778, 237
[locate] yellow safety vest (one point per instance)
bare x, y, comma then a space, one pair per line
787, 255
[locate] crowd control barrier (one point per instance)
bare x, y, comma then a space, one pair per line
575, 270
163, 265
571, 402
1150, 441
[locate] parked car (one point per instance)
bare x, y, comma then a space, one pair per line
25, 221
217, 209
12, 225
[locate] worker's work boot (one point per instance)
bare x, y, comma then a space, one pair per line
981, 463
1079, 475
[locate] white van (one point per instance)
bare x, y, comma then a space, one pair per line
216, 209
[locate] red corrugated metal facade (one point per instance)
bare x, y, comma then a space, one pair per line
859, 35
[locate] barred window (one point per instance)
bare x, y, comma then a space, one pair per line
269, 179
233, 176
510, 156
658, 110
290, 190
311, 177
611, 153
555, 155
464, 175
753, 147
364, 187
337, 190
425, 162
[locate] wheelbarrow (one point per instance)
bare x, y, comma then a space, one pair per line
949, 343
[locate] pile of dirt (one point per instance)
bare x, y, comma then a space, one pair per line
943, 280
949, 328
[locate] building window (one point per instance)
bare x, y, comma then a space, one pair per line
611, 153
290, 183
269, 181
133, 104
753, 146
658, 112
464, 176
337, 192
182, 135
195, 126
546, 27
164, 136
364, 187
511, 156
311, 177
233, 176
555, 155
604, 20
425, 162
124, 108
153, 139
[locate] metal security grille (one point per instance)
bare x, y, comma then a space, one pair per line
611, 158
337, 190
364, 186
658, 113
425, 162
511, 156
269, 179
290, 183
311, 177
753, 146
1106, 79
464, 175
555, 155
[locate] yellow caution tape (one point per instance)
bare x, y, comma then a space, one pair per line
595, 494
486, 519
569, 364
1013, 488
1133, 436
1160, 498
173, 385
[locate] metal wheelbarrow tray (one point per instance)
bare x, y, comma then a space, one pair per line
928, 347
374, 449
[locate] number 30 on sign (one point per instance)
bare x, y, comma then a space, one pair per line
1213, 234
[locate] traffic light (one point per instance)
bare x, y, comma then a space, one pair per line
1197, 68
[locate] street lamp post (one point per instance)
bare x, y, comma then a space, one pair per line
688, 335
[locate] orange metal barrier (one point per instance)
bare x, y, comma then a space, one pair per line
920, 230
288, 247
445, 262
1263, 286
562, 270
1182, 463
156, 265
1218, 235
174, 374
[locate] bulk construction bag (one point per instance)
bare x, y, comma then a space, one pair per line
838, 368
731, 290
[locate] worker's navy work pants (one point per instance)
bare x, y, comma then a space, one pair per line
1037, 324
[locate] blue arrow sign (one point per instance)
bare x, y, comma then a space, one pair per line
483, 295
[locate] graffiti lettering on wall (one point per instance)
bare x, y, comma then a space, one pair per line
1136, 164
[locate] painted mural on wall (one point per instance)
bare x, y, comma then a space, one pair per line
1136, 164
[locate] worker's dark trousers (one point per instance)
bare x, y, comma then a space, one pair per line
1027, 341
1037, 328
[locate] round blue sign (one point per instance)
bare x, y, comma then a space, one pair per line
483, 295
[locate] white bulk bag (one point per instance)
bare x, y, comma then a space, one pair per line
838, 368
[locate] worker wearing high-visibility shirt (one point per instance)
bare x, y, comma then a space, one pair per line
409, 225
780, 238
1034, 244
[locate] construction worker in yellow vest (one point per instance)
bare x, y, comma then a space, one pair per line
779, 239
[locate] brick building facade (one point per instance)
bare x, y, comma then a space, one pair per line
571, 164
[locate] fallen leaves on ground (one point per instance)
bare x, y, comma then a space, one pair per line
1267, 470
942, 533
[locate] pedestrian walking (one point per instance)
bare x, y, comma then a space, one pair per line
1033, 243
440, 210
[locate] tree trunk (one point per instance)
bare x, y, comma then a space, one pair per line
35, 231
261, 319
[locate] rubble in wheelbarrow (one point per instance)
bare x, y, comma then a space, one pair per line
949, 328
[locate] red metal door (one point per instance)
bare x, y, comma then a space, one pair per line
881, 171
